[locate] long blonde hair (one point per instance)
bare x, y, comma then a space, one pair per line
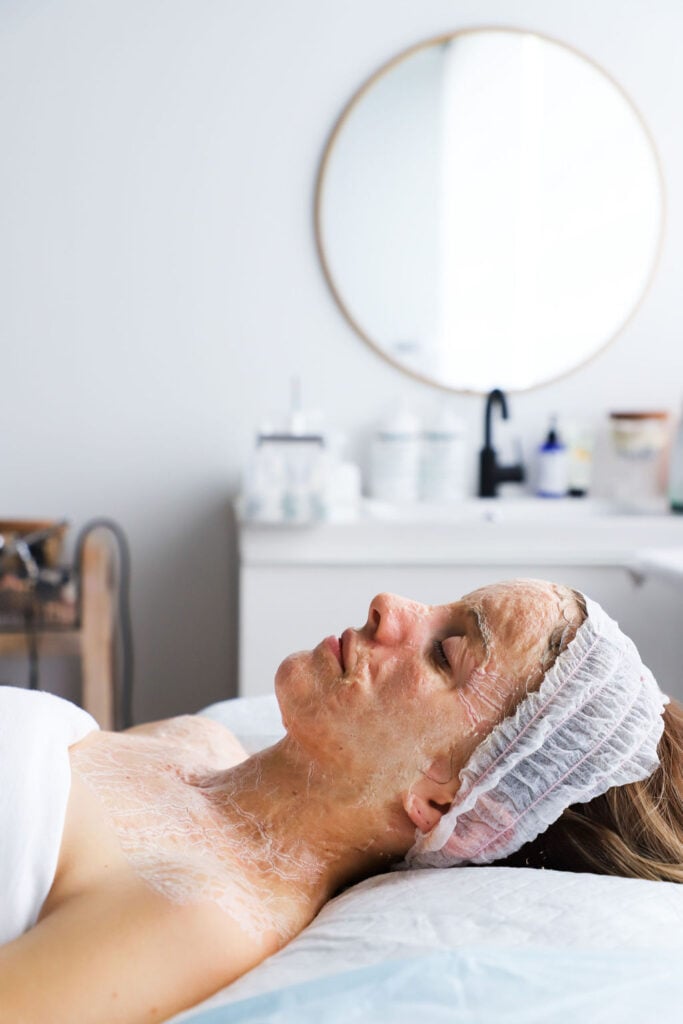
634, 830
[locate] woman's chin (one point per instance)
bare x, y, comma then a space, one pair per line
293, 679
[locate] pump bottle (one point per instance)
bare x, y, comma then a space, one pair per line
553, 465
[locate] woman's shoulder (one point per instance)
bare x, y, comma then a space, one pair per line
195, 734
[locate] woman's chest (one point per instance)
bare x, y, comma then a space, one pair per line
138, 814
147, 795
132, 810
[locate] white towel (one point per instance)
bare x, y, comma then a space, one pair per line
36, 731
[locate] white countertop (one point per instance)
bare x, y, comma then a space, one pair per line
479, 532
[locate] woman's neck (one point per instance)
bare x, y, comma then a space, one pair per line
300, 834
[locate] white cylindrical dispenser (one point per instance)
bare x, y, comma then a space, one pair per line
442, 462
394, 459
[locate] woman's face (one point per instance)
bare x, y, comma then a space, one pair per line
418, 687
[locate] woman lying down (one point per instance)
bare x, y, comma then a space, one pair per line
147, 869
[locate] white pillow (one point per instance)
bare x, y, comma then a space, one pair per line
483, 911
255, 721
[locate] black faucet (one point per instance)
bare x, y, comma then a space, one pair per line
490, 473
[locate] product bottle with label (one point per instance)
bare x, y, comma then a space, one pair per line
553, 465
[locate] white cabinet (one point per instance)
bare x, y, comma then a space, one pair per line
300, 584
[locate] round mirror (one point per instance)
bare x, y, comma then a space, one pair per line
489, 210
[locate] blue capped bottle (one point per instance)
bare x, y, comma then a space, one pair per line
553, 465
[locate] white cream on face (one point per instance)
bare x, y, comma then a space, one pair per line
493, 667
393, 711
516, 619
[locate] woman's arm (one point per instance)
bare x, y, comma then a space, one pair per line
120, 956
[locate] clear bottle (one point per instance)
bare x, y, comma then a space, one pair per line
264, 484
579, 436
676, 470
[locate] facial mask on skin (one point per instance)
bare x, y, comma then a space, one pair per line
183, 845
595, 722
488, 690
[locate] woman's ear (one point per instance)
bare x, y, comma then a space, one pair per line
426, 802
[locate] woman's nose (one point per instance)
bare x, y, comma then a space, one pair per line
394, 619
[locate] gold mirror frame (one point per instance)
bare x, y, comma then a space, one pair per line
383, 70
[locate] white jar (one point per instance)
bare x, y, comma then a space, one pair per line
442, 462
640, 442
394, 459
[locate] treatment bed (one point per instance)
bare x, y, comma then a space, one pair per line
469, 945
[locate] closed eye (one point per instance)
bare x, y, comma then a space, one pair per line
440, 655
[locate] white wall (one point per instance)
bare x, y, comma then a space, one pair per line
159, 281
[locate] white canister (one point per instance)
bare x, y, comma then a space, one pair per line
442, 461
640, 442
394, 459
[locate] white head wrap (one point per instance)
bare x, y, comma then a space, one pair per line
594, 723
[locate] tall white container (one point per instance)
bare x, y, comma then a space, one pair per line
394, 459
442, 461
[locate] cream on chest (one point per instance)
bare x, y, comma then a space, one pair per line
154, 791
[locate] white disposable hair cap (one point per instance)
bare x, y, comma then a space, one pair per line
594, 722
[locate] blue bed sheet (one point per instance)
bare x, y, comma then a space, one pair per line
478, 986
